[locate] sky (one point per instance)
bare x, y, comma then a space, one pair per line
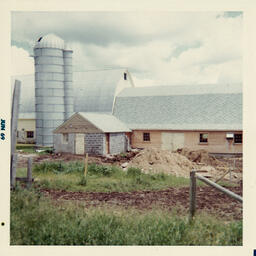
158, 48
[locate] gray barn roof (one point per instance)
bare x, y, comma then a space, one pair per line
200, 107
181, 107
105, 122
182, 90
94, 91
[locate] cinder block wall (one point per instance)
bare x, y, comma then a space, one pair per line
117, 143
59, 146
95, 143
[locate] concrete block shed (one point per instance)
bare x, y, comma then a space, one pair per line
93, 133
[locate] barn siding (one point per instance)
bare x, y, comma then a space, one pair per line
117, 143
217, 142
137, 139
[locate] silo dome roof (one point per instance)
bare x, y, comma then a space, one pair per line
50, 41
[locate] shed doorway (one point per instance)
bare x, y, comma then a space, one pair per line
107, 144
172, 141
79, 144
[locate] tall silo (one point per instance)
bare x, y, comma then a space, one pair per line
49, 86
68, 80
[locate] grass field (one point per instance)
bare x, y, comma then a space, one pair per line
69, 176
37, 220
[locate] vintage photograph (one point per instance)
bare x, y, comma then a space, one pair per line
126, 128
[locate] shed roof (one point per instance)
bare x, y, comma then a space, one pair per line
105, 122
186, 108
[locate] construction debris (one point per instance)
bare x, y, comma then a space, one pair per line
200, 156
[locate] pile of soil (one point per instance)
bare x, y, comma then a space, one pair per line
200, 156
162, 161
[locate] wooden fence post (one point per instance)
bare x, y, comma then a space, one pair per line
29, 172
192, 194
14, 124
85, 164
13, 170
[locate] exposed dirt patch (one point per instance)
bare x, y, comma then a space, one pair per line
66, 157
181, 162
208, 199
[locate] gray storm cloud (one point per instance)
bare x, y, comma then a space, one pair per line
157, 46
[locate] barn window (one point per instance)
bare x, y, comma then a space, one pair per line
238, 138
203, 137
65, 137
30, 134
146, 136
125, 76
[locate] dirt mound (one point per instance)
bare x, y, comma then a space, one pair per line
200, 156
164, 161
156, 161
120, 158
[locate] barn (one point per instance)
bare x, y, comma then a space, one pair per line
195, 116
106, 105
26, 128
93, 133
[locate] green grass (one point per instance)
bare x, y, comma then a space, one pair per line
101, 178
21, 172
31, 148
27, 148
36, 221
69, 176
